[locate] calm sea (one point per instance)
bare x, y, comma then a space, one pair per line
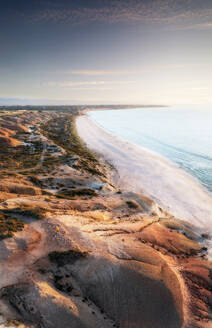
181, 134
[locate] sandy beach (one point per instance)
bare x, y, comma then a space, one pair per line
140, 170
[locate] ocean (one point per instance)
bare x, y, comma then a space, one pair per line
182, 134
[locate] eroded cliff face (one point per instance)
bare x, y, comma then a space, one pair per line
87, 254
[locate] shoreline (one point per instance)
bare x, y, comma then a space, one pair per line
157, 155
174, 190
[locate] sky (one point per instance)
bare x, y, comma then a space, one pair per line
106, 52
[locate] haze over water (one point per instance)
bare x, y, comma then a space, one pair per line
183, 134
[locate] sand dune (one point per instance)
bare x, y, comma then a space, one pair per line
9, 142
6, 132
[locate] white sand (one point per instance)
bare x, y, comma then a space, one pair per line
143, 171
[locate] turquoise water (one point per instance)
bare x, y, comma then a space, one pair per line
181, 134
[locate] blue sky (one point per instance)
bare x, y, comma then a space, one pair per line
104, 52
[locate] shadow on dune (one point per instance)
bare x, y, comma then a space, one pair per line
129, 297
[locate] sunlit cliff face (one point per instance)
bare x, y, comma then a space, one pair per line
156, 51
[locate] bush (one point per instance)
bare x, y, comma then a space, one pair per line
32, 212
64, 134
8, 226
76, 192
68, 257
132, 204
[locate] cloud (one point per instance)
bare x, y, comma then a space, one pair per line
88, 72
92, 88
126, 76
204, 26
126, 11
74, 84
132, 72
71, 84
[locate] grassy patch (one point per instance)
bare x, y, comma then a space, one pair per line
132, 204
71, 193
20, 158
63, 132
26, 211
35, 180
35, 213
9, 225
13, 323
68, 257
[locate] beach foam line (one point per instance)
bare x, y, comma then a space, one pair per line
140, 170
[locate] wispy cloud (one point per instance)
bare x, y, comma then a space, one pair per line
130, 72
204, 26
90, 72
71, 84
125, 11
92, 89
74, 84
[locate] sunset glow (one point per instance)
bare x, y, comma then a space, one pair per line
92, 52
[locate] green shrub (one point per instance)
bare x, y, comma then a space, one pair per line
68, 257
27, 211
9, 225
65, 194
132, 204
63, 132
